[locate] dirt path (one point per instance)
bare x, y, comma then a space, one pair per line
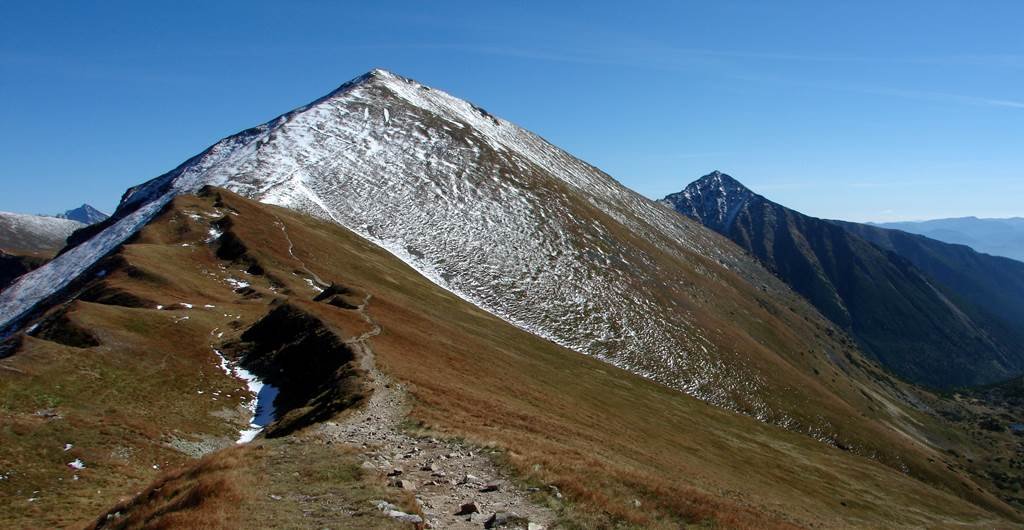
319, 283
444, 475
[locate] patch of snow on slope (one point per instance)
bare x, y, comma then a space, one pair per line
262, 403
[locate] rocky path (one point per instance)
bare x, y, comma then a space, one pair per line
456, 485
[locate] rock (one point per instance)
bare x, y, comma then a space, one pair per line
555, 491
395, 472
405, 517
276, 497
468, 508
534, 526
431, 467
407, 485
499, 519
491, 486
367, 465
471, 479
385, 506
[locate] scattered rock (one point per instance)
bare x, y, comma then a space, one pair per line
468, 508
405, 517
384, 506
431, 467
403, 484
500, 519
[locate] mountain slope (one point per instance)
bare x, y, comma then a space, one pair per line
37, 234
990, 287
503, 219
499, 216
149, 389
897, 312
999, 237
84, 214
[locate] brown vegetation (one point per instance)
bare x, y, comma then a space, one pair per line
624, 451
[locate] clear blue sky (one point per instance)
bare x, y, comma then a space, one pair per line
863, 111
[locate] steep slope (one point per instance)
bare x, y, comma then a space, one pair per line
896, 312
542, 240
990, 288
24, 233
999, 237
603, 447
84, 214
14, 265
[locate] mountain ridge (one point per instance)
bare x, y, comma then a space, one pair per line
529, 233
883, 298
995, 236
496, 216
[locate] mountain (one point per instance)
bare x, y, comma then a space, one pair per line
999, 237
913, 321
526, 301
34, 234
990, 288
84, 214
133, 382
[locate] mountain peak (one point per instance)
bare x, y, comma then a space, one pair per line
83, 214
713, 199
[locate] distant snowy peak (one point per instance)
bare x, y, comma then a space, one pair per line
84, 214
714, 199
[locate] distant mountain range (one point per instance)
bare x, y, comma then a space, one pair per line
935, 313
999, 237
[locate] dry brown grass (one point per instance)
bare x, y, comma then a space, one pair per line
625, 451
604, 435
205, 495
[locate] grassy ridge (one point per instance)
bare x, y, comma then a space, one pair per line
625, 451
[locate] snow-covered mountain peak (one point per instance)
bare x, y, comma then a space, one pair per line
84, 214
714, 199
482, 207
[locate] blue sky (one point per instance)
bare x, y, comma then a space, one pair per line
856, 110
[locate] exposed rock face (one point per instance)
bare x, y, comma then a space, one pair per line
313, 368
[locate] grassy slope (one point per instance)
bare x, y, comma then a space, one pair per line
604, 436
597, 431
